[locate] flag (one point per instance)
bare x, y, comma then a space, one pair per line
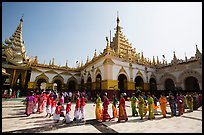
163, 56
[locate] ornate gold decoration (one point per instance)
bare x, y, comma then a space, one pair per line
108, 61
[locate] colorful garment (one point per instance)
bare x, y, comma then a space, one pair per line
68, 109
150, 101
53, 107
49, 105
190, 102
179, 101
133, 106
163, 104
155, 106
172, 103
82, 108
98, 110
122, 110
40, 104
44, 105
115, 101
29, 105
35, 105
141, 104
106, 116
77, 110
56, 115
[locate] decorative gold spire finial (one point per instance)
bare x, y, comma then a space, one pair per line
66, 65
53, 61
108, 45
158, 60
118, 20
87, 60
153, 61
95, 53
22, 18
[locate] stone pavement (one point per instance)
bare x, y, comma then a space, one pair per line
15, 121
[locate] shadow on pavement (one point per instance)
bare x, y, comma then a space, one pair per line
53, 126
14, 117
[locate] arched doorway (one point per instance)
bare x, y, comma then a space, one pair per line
82, 85
41, 84
191, 84
72, 86
152, 85
139, 83
169, 85
98, 83
122, 83
58, 86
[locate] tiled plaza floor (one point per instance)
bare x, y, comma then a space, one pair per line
14, 120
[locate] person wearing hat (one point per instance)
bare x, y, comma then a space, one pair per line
122, 110
106, 102
77, 108
133, 105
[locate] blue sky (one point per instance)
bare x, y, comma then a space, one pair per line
73, 30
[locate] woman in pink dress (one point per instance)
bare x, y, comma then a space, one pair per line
106, 102
29, 104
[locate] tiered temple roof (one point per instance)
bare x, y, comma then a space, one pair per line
13, 50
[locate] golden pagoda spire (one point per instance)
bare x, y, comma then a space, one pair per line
174, 61
107, 43
153, 61
142, 57
53, 61
158, 60
198, 53
66, 65
118, 20
87, 60
95, 53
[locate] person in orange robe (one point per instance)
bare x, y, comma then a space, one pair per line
163, 104
122, 110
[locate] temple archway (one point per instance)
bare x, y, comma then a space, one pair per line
98, 83
41, 84
191, 84
139, 83
152, 85
58, 85
169, 85
122, 83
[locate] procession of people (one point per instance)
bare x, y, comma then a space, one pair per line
58, 104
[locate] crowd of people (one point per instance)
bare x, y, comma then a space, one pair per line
58, 105
141, 104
